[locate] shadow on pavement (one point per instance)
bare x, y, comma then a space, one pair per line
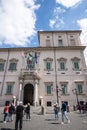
49, 119
55, 123
6, 129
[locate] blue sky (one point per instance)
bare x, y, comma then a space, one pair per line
21, 19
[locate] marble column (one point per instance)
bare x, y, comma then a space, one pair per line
20, 98
36, 101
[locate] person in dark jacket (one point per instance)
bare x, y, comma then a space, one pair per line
28, 112
64, 113
19, 116
11, 111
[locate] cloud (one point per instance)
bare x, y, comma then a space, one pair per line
68, 3
57, 19
83, 26
17, 21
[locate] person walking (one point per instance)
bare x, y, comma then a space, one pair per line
11, 111
28, 111
19, 116
64, 113
6, 113
56, 111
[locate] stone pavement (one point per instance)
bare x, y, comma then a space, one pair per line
47, 122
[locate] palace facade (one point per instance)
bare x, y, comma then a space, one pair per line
53, 72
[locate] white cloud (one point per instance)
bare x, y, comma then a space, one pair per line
57, 19
68, 3
17, 21
83, 26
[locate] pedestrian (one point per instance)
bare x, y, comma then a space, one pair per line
27, 110
56, 111
64, 112
19, 116
6, 113
11, 111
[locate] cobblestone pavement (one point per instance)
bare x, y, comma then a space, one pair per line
47, 122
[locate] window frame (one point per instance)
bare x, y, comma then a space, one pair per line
2, 66
80, 88
9, 89
48, 88
13, 66
60, 42
48, 64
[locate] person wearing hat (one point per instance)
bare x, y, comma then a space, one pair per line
19, 116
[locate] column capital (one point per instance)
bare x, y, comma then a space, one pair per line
21, 81
36, 81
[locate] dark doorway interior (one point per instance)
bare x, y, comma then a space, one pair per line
28, 94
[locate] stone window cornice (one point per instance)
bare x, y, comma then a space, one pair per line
13, 60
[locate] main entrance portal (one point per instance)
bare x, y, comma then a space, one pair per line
28, 94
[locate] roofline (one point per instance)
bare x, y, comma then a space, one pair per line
59, 31
43, 48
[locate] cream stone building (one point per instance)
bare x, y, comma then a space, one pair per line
53, 72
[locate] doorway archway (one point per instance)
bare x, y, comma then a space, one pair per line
28, 94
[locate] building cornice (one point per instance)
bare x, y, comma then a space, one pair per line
43, 48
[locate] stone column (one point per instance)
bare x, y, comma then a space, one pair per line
36, 102
20, 98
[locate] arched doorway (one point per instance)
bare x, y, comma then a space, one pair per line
28, 94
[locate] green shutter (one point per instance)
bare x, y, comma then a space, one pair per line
48, 66
80, 88
12, 66
76, 65
1, 66
62, 66
64, 89
9, 89
48, 89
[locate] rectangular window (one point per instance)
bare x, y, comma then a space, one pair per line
48, 89
49, 103
48, 66
72, 42
76, 65
80, 90
48, 42
62, 65
64, 88
9, 89
13, 66
1, 66
60, 42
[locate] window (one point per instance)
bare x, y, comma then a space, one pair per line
48, 89
79, 88
1, 66
48, 66
49, 103
13, 66
76, 65
48, 42
64, 88
60, 42
62, 65
9, 89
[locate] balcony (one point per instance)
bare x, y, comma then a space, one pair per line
29, 73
